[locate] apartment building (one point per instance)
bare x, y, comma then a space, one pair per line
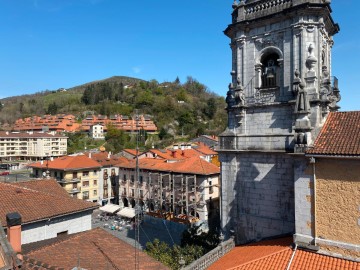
140, 122
57, 123
95, 125
31, 145
108, 185
77, 174
184, 187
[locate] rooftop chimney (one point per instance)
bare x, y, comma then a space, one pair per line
13, 221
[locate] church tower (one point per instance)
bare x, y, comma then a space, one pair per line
280, 94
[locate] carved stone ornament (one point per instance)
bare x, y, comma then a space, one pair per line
311, 60
302, 101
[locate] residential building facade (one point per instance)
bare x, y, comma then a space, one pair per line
188, 187
31, 145
78, 175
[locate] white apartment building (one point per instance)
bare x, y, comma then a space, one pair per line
97, 132
31, 145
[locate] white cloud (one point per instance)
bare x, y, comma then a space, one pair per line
136, 70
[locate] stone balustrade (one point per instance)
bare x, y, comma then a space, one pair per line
212, 256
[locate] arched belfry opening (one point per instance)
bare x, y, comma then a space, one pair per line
269, 68
270, 71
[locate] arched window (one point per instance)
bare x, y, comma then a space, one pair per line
270, 70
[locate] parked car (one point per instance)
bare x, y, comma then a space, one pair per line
4, 173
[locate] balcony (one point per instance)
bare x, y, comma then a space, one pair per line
66, 181
74, 190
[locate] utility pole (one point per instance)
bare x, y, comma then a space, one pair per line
137, 196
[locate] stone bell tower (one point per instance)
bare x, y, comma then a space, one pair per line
280, 93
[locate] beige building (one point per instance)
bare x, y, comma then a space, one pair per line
31, 145
78, 174
328, 200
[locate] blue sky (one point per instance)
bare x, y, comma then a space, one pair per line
48, 44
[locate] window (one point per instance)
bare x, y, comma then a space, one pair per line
85, 183
95, 172
95, 182
141, 193
211, 190
74, 186
132, 178
105, 193
124, 192
85, 173
132, 192
95, 192
85, 195
124, 177
141, 179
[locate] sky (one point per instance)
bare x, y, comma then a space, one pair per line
50, 44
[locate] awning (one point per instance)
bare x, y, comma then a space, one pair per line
110, 208
127, 212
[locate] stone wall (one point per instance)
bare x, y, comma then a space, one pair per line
257, 195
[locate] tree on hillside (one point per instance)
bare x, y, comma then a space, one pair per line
116, 139
52, 109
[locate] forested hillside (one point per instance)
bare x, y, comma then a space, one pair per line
177, 108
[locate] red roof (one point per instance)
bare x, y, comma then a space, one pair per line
66, 163
194, 165
340, 135
276, 254
38, 199
105, 158
94, 249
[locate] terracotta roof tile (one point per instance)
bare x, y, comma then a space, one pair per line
38, 199
276, 254
104, 158
94, 249
340, 135
194, 165
71, 162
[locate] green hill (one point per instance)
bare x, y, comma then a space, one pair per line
177, 108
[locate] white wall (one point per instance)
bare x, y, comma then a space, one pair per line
43, 230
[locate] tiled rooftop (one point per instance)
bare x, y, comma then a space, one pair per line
276, 254
105, 159
92, 250
38, 199
70, 162
193, 165
340, 135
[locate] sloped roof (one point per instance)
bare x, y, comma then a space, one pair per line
340, 135
276, 254
132, 151
105, 159
71, 162
204, 149
38, 199
94, 249
175, 153
194, 165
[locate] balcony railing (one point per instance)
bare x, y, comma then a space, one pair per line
74, 190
